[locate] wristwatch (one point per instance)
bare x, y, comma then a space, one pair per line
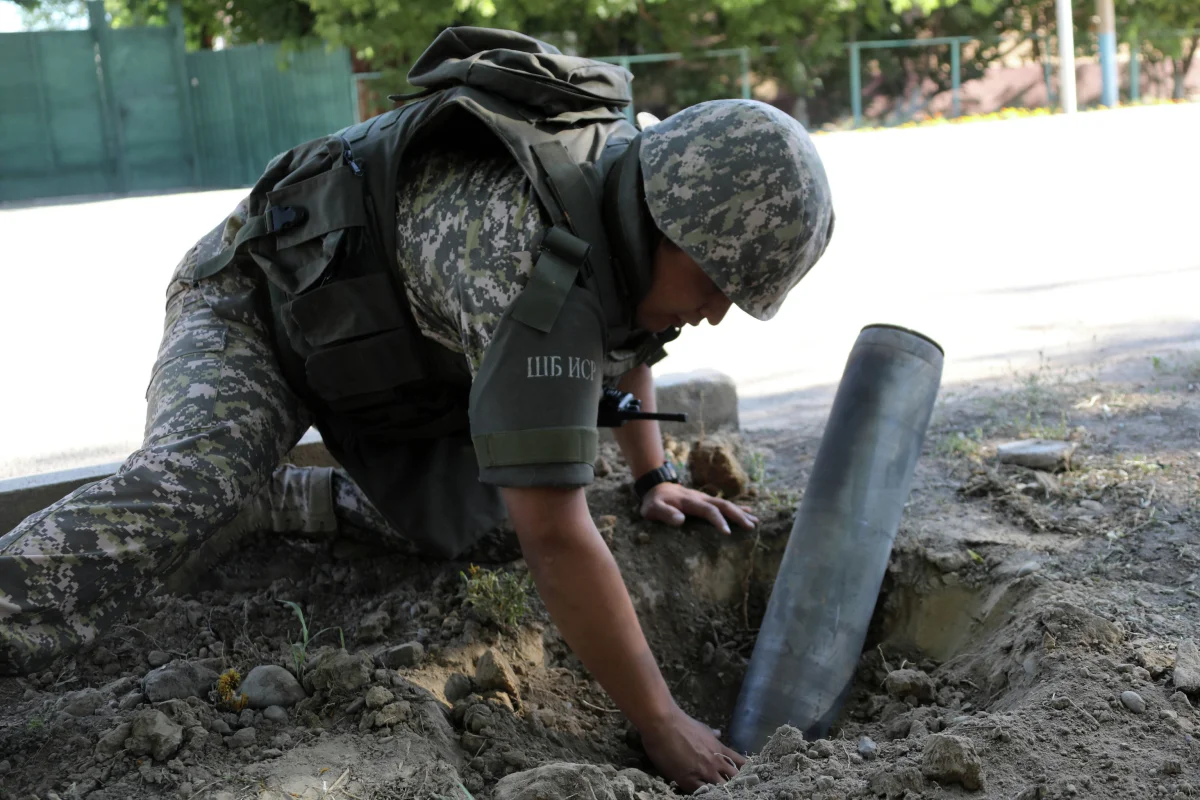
664, 474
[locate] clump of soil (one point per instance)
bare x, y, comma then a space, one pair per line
715, 468
1032, 640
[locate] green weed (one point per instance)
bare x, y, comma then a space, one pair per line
1036, 426
967, 445
498, 597
756, 467
300, 648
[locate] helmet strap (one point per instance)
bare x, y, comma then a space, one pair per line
632, 234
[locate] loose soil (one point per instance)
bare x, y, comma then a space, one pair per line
1024, 645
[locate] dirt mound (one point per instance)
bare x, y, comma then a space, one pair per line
1024, 646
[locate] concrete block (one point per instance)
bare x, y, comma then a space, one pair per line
20, 497
707, 396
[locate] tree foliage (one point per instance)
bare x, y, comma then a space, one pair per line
807, 60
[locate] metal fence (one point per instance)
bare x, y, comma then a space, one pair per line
128, 110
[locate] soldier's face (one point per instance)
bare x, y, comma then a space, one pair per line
680, 293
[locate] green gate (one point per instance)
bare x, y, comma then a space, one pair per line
52, 117
257, 101
127, 110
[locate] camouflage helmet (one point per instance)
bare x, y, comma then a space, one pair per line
739, 187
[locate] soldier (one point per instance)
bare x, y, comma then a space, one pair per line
257, 347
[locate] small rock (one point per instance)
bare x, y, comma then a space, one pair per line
749, 781
408, 654
1186, 676
1180, 701
195, 737
1060, 703
784, 741
910, 683
1093, 506
337, 672
220, 726
643, 537
246, 718
1172, 766
372, 626
82, 703
113, 742
243, 738
824, 748
902, 782
457, 687
271, 685
559, 780
378, 697
1028, 568
1133, 701
713, 466
1044, 454
1141, 673
867, 748
276, 714
120, 686
131, 700
29, 694
152, 733
602, 467
272, 752
952, 759
5, 767
492, 671
392, 714
157, 658
178, 680
823, 782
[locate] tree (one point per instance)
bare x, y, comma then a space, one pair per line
1164, 30
235, 21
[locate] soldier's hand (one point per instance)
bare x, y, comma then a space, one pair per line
671, 504
688, 752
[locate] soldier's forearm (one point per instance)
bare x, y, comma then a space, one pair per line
640, 441
581, 585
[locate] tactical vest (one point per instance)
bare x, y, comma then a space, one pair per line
322, 227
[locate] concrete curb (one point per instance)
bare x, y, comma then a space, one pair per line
20, 497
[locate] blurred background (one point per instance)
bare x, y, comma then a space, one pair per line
1014, 178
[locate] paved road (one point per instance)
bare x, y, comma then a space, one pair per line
1069, 236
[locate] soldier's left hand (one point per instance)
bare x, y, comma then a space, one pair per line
672, 503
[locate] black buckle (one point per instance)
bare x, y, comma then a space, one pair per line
281, 218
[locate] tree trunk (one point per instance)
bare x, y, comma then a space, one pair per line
1183, 66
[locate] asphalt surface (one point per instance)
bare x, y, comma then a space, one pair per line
1071, 239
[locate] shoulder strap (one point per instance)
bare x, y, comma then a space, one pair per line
576, 205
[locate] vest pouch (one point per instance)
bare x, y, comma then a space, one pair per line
357, 347
315, 223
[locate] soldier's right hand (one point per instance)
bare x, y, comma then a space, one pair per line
688, 752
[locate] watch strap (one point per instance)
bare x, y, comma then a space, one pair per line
664, 474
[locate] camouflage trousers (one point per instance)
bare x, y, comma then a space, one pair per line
220, 417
